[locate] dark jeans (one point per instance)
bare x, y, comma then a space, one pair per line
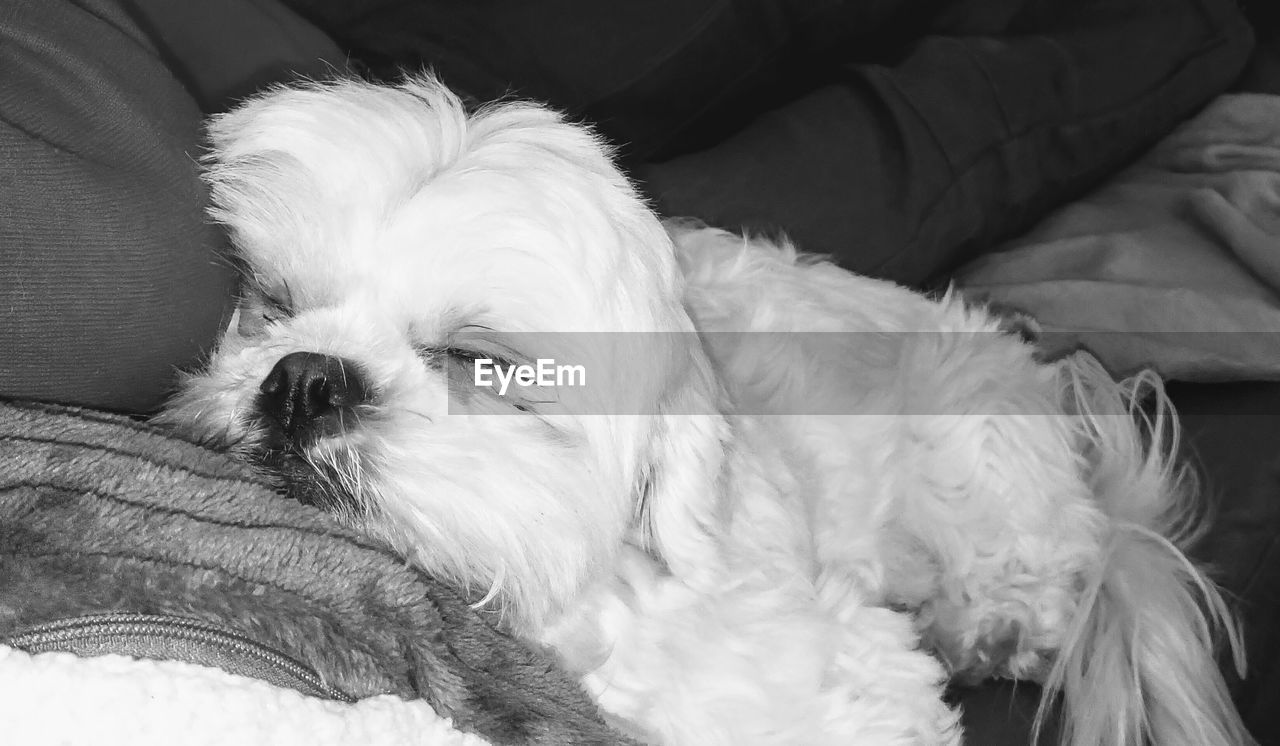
111, 279
899, 136
905, 171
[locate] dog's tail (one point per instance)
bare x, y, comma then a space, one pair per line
1139, 665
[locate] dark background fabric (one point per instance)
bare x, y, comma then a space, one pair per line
224, 50
905, 171
1232, 435
111, 276
900, 138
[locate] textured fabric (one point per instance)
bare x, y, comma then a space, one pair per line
56, 699
1173, 265
1229, 437
99, 514
899, 136
905, 170
106, 273
164, 637
1231, 432
641, 70
224, 50
110, 276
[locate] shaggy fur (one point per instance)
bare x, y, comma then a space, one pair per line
790, 536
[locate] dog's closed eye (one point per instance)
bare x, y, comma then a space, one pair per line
475, 371
449, 356
260, 307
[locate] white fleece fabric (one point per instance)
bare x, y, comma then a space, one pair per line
59, 698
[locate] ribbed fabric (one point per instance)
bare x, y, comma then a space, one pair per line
110, 276
224, 50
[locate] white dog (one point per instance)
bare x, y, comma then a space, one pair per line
793, 502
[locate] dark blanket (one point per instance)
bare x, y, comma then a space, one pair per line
101, 514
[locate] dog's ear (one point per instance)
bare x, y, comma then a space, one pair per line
679, 491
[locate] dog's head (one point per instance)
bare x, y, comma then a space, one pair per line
393, 241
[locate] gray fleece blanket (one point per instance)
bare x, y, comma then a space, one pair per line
1174, 264
102, 514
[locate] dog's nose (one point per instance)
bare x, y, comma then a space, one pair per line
310, 395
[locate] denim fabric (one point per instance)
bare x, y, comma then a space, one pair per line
110, 277
906, 170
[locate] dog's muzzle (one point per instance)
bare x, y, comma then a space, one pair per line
308, 396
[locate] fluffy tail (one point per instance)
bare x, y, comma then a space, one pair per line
1138, 664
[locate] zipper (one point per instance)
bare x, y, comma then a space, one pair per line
127, 633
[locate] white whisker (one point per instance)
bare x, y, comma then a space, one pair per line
495, 588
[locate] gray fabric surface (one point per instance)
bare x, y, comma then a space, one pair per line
109, 271
101, 514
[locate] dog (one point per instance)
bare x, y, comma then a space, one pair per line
795, 503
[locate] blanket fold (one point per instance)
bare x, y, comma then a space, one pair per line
1174, 264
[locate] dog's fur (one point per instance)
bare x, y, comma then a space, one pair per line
720, 561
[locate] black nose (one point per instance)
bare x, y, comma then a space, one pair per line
308, 395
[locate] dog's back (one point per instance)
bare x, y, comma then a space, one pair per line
1020, 509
